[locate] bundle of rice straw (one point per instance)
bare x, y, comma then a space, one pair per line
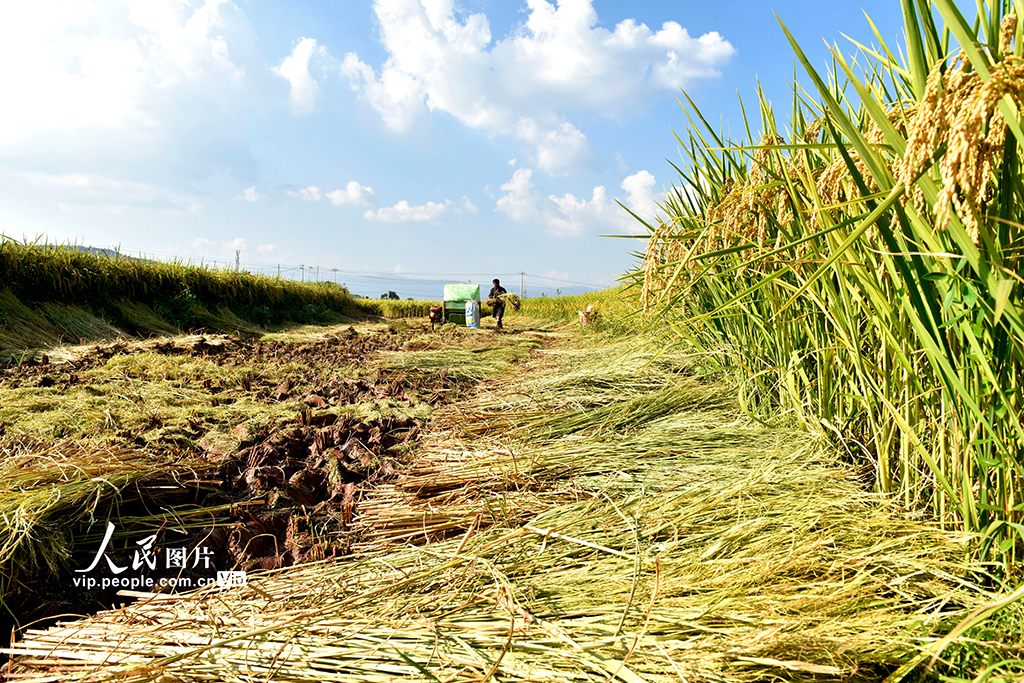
511, 299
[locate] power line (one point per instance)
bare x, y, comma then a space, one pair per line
355, 271
558, 279
301, 269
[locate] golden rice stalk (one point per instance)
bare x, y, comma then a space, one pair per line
80, 324
145, 318
224, 320
652, 261
961, 111
511, 299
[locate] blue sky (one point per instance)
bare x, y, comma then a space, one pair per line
393, 144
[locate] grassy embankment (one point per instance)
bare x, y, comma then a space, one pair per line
51, 295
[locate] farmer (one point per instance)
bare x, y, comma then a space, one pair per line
498, 306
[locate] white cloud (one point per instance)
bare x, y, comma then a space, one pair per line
250, 195
560, 146
354, 193
574, 216
89, 84
295, 68
85, 192
519, 200
403, 212
266, 248
570, 216
639, 198
468, 205
310, 194
193, 210
396, 96
221, 250
558, 63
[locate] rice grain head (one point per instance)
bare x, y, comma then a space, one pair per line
1009, 27
957, 108
976, 141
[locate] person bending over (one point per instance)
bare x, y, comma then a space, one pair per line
498, 307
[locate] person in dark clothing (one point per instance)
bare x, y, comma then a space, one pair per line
498, 307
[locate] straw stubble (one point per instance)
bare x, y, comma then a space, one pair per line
662, 552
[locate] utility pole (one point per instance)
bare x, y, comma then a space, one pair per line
302, 268
521, 274
278, 271
335, 275
238, 255
318, 273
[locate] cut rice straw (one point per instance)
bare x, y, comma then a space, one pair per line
519, 560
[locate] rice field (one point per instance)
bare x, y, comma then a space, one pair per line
855, 267
388, 308
51, 295
548, 502
786, 447
546, 531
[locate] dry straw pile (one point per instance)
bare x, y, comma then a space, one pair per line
56, 496
687, 545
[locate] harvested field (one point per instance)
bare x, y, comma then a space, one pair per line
600, 513
255, 449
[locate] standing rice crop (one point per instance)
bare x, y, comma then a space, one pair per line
394, 308
146, 296
616, 307
863, 271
